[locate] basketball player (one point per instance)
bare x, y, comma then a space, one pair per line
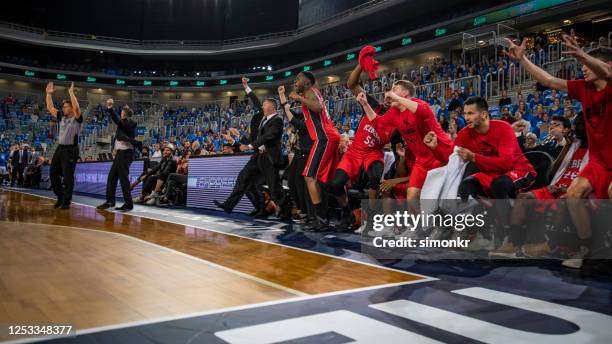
365, 152
503, 170
418, 127
595, 94
323, 156
65, 157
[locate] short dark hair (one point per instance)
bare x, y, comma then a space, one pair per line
407, 85
566, 122
481, 103
601, 53
310, 77
66, 101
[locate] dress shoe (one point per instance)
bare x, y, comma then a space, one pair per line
65, 205
58, 203
125, 207
105, 205
222, 206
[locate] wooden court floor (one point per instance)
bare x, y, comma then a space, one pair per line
93, 268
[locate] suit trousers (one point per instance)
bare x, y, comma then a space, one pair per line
120, 171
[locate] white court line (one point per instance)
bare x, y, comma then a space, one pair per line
222, 310
254, 239
198, 259
216, 311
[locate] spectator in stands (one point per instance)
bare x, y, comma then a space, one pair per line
522, 108
443, 122
176, 181
560, 127
555, 108
504, 100
157, 152
195, 148
455, 102
505, 115
531, 141
155, 178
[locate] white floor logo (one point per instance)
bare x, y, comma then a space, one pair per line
592, 327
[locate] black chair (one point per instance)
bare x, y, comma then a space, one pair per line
542, 162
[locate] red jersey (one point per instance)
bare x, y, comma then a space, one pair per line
572, 170
414, 126
497, 151
597, 110
319, 125
372, 135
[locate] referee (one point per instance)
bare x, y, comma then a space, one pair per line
66, 154
124, 155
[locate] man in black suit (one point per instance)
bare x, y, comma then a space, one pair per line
19, 161
266, 133
124, 155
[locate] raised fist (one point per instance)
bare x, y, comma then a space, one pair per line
50, 88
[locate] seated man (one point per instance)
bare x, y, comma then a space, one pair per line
178, 179
559, 128
566, 168
491, 145
155, 178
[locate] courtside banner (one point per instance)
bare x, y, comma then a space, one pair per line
213, 178
91, 178
486, 228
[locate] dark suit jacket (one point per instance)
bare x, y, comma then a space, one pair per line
257, 117
126, 128
269, 136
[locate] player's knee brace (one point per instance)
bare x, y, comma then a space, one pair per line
339, 182
375, 172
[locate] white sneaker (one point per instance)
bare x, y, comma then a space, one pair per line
576, 261
151, 201
138, 199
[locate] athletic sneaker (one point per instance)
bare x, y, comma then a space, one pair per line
576, 261
139, 199
507, 250
536, 250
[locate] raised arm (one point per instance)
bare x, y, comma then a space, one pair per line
285, 104
353, 81
49, 99
251, 94
409, 104
111, 111
363, 101
517, 53
75, 103
601, 69
309, 99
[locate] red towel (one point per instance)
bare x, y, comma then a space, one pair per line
367, 62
